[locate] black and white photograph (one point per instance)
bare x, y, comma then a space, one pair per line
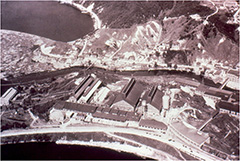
120, 80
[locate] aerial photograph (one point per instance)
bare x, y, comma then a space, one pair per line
120, 79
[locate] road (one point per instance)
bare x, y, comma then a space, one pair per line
195, 151
216, 11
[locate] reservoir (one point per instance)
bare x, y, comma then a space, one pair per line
45, 18
49, 151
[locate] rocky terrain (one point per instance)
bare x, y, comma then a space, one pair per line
169, 33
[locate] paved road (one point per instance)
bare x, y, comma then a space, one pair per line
109, 129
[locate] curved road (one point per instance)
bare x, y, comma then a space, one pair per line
198, 152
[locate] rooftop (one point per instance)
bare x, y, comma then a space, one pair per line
234, 72
82, 86
224, 94
188, 82
130, 93
154, 97
191, 134
228, 106
132, 116
109, 116
153, 124
75, 107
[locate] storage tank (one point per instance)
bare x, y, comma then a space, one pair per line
165, 101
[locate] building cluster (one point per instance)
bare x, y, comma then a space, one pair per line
86, 88
122, 109
218, 72
226, 101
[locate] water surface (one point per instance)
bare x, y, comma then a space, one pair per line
41, 151
45, 18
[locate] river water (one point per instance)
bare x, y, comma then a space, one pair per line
48, 151
46, 18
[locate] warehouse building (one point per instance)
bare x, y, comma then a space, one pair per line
8, 96
116, 115
152, 124
86, 88
233, 75
153, 99
129, 97
229, 107
64, 110
213, 93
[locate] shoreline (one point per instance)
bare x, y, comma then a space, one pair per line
112, 146
96, 21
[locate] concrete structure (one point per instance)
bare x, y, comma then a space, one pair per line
165, 104
233, 75
8, 96
129, 97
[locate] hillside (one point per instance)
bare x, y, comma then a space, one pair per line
168, 33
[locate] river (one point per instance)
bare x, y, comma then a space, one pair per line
45, 18
27, 79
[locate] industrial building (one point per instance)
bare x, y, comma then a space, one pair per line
129, 97
187, 82
64, 110
228, 107
211, 92
192, 135
153, 99
8, 96
152, 124
116, 115
86, 88
233, 75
